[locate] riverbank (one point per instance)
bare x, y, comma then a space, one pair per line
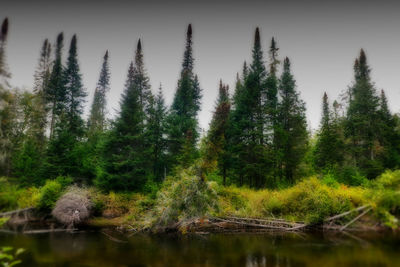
185, 203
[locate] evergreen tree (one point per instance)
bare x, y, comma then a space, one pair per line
271, 104
6, 99
361, 128
97, 113
41, 84
389, 136
182, 120
55, 92
329, 146
292, 136
156, 132
217, 149
126, 151
64, 156
248, 122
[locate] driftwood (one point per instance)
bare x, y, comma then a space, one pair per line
43, 231
329, 223
15, 212
269, 224
346, 213
355, 219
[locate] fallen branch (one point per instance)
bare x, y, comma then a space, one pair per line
248, 224
43, 231
9, 213
346, 213
355, 219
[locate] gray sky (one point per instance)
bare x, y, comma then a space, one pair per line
321, 38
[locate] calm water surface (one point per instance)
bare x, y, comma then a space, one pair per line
109, 248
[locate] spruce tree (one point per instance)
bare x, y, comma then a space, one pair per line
217, 145
6, 99
182, 120
126, 153
41, 84
271, 104
55, 92
97, 117
248, 122
156, 135
362, 114
328, 152
64, 154
388, 135
292, 136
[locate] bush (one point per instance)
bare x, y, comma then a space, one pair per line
330, 180
309, 200
388, 180
49, 194
184, 197
12, 197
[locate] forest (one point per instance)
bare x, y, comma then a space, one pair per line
150, 165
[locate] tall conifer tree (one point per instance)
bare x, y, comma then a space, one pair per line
126, 151
64, 156
98, 110
183, 125
248, 122
362, 114
55, 92
292, 136
217, 144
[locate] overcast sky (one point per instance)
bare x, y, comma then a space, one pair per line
321, 38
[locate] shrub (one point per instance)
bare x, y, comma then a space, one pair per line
387, 180
309, 200
49, 194
184, 197
330, 180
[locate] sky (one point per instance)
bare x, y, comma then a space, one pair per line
322, 39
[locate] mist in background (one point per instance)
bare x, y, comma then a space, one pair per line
322, 39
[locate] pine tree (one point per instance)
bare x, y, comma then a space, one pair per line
329, 147
248, 122
98, 111
216, 147
292, 136
183, 125
6, 99
362, 114
41, 84
64, 157
55, 92
4, 74
271, 104
388, 135
126, 151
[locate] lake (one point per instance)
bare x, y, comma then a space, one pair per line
110, 248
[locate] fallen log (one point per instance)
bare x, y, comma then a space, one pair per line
12, 212
355, 219
346, 213
255, 225
44, 231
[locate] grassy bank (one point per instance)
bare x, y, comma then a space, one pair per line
185, 196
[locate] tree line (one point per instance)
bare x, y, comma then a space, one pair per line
258, 134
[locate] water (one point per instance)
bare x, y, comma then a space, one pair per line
95, 248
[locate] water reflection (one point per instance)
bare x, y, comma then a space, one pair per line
252, 250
